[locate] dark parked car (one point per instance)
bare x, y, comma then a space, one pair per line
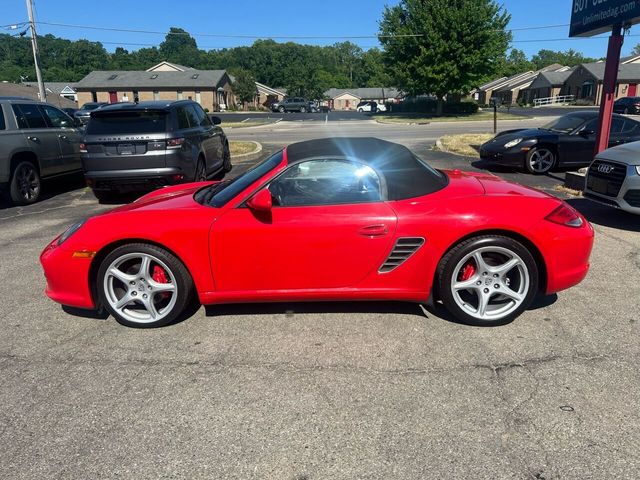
566, 141
296, 104
627, 105
84, 113
137, 147
37, 141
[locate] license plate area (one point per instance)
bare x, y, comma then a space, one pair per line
126, 149
598, 185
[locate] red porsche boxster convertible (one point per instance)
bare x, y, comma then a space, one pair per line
329, 219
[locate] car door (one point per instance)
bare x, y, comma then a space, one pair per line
329, 228
211, 136
69, 138
39, 137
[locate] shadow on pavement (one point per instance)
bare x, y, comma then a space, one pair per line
606, 216
291, 309
51, 188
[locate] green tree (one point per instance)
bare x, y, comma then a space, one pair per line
244, 85
544, 58
180, 47
461, 43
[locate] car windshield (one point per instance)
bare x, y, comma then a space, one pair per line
565, 124
90, 106
218, 194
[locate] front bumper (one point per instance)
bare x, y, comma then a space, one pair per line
508, 158
67, 276
628, 194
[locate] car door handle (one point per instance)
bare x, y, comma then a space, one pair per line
33, 139
62, 137
374, 230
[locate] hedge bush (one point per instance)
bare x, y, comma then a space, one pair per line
430, 106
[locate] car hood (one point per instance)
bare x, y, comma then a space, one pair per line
524, 133
629, 154
168, 198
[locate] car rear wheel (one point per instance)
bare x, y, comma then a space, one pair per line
540, 160
226, 163
360, 110
488, 280
143, 285
25, 185
626, 111
303, 110
201, 172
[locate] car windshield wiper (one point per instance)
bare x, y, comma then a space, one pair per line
212, 190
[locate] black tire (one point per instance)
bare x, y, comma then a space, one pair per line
303, 110
450, 268
282, 109
530, 162
626, 111
360, 110
174, 269
105, 196
25, 184
226, 162
200, 174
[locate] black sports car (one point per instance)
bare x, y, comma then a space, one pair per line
566, 141
629, 105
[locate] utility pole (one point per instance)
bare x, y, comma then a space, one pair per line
34, 45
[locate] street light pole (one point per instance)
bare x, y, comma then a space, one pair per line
34, 46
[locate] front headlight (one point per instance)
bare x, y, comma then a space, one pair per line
512, 143
70, 231
638, 169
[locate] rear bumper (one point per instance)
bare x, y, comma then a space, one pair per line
67, 277
136, 179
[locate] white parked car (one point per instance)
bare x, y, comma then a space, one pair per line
370, 106
614, 178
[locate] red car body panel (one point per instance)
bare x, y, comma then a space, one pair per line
333, 252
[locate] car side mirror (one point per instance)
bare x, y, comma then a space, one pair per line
261, 201
586, 133
216, 120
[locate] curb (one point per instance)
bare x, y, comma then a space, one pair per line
277, 120
250, 155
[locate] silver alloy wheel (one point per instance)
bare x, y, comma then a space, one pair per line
497, 283
27, 181
541, 160
136, 296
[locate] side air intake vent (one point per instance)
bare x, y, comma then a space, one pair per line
402, 250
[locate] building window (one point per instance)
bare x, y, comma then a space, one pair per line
179, 94
156, 95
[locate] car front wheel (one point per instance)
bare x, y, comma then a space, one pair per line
487, 280
281, 110
540, 160
25, 185
143, 285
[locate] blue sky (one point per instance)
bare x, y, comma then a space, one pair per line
268, 18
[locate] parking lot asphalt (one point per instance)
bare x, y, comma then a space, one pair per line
321, 390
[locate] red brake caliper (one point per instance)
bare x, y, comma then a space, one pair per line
467, 272
160, 276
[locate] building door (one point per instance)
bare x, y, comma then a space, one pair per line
113, 97
631, 92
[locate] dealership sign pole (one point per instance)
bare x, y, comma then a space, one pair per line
591, 17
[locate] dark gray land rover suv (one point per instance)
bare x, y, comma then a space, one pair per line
146, 145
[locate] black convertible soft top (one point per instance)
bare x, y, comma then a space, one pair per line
406, 175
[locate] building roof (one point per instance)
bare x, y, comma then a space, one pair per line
365, 92
173, 66
551, 79
525, 80
20, 90
268, 90
152, 80
628, 72
55, 87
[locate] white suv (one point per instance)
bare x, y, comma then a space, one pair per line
614, 178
